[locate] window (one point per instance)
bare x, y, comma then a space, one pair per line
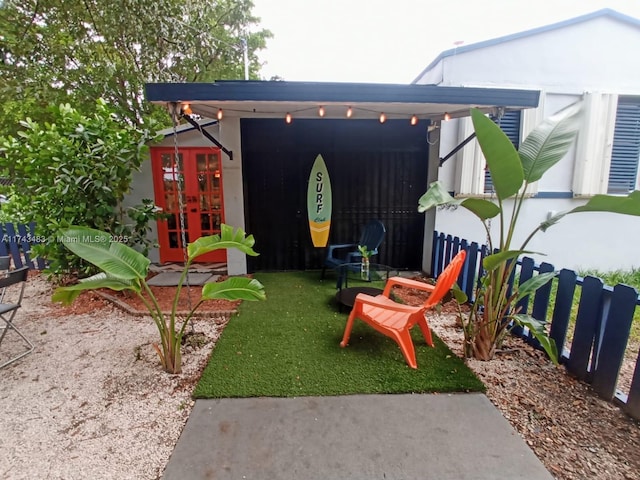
626, 147
510, 125
471, 176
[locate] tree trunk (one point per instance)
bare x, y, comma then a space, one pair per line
484, 343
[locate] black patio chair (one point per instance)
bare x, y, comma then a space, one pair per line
8, 311
338, 254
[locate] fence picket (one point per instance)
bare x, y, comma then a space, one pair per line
472, 262
14, 249
562, 309
447, 251
17, 241
464, 271
589, 310
23, 240
436, 253
632, 406
526, 272
616, 328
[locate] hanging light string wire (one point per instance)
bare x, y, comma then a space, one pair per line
178, 179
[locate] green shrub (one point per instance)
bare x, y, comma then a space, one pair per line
75, 171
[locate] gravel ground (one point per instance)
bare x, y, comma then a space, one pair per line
92, 401
576, 434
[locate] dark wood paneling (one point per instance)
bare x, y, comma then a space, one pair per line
377, 171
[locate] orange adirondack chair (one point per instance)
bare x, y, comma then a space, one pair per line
396, 320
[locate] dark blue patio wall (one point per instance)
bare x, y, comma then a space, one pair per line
377, 171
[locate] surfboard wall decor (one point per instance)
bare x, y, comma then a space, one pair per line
319, 203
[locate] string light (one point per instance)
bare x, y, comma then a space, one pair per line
414, 119
186, 109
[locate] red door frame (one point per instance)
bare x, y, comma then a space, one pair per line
203, 200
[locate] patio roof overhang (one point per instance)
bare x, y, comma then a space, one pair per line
274, 99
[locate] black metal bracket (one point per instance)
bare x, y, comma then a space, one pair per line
207, 135
458, 148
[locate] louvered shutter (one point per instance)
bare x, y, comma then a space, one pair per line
626, 147
510, 125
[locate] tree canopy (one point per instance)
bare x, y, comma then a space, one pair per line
57, 51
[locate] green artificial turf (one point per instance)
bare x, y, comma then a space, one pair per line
289, 345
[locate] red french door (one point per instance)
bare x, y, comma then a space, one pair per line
198, 176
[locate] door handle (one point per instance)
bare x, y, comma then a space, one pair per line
194, 210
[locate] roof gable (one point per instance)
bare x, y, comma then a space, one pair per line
605, 12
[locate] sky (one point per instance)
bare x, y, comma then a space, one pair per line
392, 41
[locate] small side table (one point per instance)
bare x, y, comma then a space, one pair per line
346, 295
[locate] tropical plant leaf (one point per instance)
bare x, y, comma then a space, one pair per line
484, 209
502, 158
68, 294
537, 329
549, 142
228, 238
533, 284
459, 296
235, 288
624, 205
114, 258
65, 295
437, 195
549, 222
629, 205
491, 262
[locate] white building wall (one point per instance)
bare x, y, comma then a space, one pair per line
233, 190
564, 64
571, 59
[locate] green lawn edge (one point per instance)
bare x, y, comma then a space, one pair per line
288, 346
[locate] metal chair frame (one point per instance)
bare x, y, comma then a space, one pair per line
8, 310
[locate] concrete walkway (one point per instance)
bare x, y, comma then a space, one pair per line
391, 437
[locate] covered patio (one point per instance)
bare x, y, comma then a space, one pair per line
379, 141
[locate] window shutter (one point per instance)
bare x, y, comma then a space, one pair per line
626, 147
510, 125
470, 162
593, 148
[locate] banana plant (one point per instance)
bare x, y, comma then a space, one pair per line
123, 268
512, 171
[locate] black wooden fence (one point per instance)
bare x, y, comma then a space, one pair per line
602, 323
17, 240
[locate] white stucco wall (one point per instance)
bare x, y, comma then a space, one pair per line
593, 55
579, 241
142, 188
228, 133
588, 57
